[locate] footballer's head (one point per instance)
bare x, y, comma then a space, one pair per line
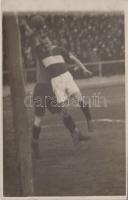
45, 40
40, 30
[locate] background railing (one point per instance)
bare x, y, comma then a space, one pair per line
101, 63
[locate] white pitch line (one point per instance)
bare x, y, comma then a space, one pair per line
82, 122
110, 120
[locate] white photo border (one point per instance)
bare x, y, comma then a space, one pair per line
8, 6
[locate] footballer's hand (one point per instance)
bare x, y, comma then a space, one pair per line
27, 28
87, 73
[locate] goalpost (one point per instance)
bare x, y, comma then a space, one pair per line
20, 120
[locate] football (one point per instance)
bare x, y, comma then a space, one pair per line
37, 22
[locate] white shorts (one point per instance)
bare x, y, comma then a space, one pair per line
64, 87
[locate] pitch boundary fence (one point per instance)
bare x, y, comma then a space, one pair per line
101, 63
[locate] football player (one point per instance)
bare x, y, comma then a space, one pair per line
43, 96
54, 59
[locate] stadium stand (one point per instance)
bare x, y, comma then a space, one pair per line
92, 37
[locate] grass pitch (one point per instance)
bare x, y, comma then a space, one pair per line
96, 168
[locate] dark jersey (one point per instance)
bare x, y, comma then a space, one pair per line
41, 74
54, 61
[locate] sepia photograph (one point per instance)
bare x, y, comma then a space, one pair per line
64, 104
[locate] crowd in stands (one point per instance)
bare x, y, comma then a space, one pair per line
91, 36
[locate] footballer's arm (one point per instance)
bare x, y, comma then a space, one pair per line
27, 28
80, 64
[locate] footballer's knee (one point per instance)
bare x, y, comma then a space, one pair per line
37, 120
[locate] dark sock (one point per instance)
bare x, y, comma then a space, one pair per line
36, 132
86, 111
69, 123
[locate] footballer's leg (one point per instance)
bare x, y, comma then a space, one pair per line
85, 109
68, 121
39, 108
39, 111
60, 89
35, 136
36, 127
71, 126
74, 92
